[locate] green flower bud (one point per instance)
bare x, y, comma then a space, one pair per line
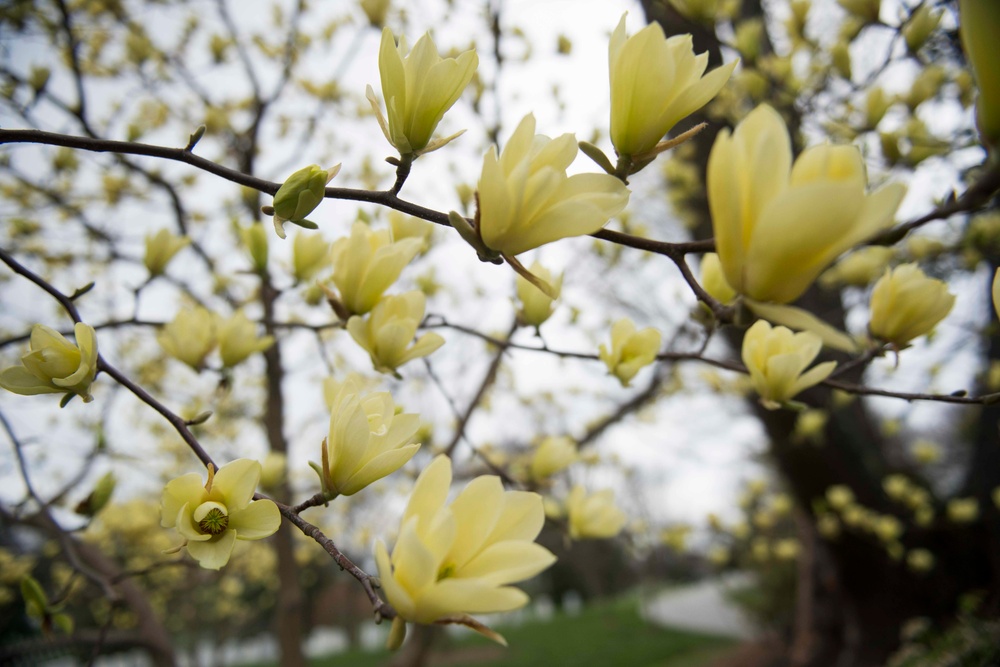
299, 196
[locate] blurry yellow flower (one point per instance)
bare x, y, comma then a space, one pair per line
655, 82
452, 560
863, 9
828, 526
273, 471
907, 304
676, 537
366, 442
551, 456
896, 486
839, 496
310, 253
211, 517
536, 305
777, 360
920, 560
888, 528
367, 263
254, 239
787, 548
53, 365
160, 249
926, 452
630, 350
719, 556
979, 26
772, 237
238, 339
963, 510
593, 516
714, 280
190, 337
859, 268
418, 88
375, 10
922, 23
410, 227
876, 104
388, 331
299, 195
526, 199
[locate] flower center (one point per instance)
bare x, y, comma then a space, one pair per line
212, 518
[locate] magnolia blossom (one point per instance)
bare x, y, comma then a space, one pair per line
772, 237
714, 280
212, 516
457, 559
310, 253
593, 516
238, 339
419, 87
299, 195
387, 333
656, 82
777, 360
526, 199
160, 249
190, 337
367, 263
536, 305
630, 350
907, 304
551, 456
53, 365
367, 440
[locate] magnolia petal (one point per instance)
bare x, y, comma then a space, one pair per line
508, 562
397, 596
424, 346
521, 517
431, 490
382, 465
214, 553
451, 596
236, 483
258, 520
813, 376
802, 320
476, 511
18, 380
189, 488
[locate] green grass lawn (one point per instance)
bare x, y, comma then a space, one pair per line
601, 634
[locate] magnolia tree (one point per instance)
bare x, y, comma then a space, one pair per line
183, 303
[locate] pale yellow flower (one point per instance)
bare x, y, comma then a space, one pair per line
980, 25
53, 365
160, 249
299, 195
593, 516
190, 337
527, 200
254, 238
963, 510
859, 268
418, 87
772, 235
212, 516
387, 332
310, 254
551, 456
366, 442
367, 263
536, 305
411, 227
457, 559
777, 360
923, 21
238, 339
630, 350
906, 304
839, 496
714, 280
375, 10
920, 560
655, 82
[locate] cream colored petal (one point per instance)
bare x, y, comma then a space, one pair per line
258, 520
431, 490
476, 510
358, 328
185, 525
213, 554
397, 596
415, 567
424, 346
18, 380
43, 336
803, 320
508, 562
842, 164
453, 596
521, 517
813, 376
728, 208
696, 96
236, 483
348, 440
189, 488
781, 371
382, 465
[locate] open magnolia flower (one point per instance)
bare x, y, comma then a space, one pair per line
906, 304
160, 249
593, 516
53, 365
367, 263
387, 333
212, 516
190, 336
777, 360
778, 226
238, 339
419, 87
526, 199
655, 82
630, 350
367, 440
453, 560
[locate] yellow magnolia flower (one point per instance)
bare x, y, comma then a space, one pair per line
419, 88
526, 199
388, 331
536, 305
980, 25
254, 239
411, 227
367, 440
922, 23
920, 560
238, 339
375, 10
310, 253
859, 268
593, 516
714, 280
457, 559
53, 365
211, 517
160, 249
551, 456
630, 350
907, 304
655, 82
777, 360
299, 195
772, 236
367, 263
190, 337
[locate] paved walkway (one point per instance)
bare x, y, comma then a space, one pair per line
701, 607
